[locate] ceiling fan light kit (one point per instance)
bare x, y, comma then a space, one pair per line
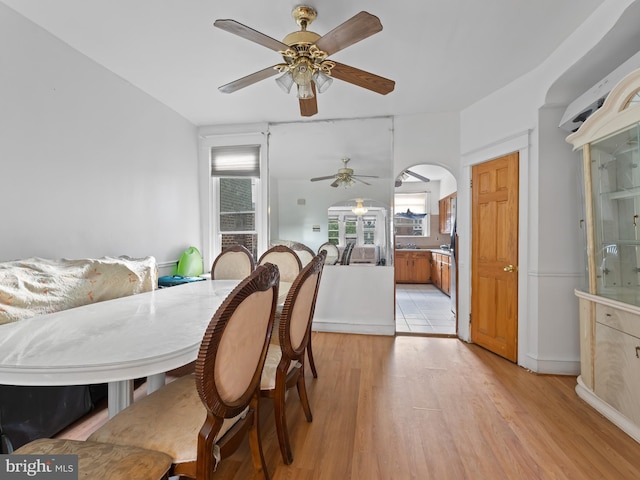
305, 57
345, 176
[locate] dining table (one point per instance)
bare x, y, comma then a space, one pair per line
114, 341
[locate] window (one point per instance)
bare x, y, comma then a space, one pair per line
345, 227
369, 229
406, 204
416, 202
334, 230
350, 229
235, 171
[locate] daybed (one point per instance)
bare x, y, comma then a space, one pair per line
37, 286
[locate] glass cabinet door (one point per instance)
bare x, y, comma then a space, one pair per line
616, 201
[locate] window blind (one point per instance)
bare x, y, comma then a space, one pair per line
235, 161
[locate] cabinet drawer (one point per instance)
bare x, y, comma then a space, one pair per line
620, 320
616, 369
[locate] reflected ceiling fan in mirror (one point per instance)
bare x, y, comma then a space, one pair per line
405, 175
305, 57
345, 176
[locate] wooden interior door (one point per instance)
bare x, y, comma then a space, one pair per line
494, 250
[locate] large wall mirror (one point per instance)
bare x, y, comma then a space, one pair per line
299, 209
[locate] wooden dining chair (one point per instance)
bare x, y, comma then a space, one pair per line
286, 259
290, 266
200, 419
346, 254
233, 263
304, 253
333, 254
284, 366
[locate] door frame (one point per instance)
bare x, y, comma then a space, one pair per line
520, 143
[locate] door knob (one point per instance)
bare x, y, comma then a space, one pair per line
510, 268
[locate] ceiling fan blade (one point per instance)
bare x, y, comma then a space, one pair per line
366, 176
243, 31
248, 80
361, 181
418, 176
309, 106
398, 182
335, 184
362, 79
357, 28
315, 179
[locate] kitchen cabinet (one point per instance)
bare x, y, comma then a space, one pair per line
447, 211
446, 274
610, 303
441, 271
413, 266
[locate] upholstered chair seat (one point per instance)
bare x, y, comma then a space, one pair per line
180, 412
274, 356
103, 461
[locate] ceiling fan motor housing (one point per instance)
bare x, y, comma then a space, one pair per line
302, 37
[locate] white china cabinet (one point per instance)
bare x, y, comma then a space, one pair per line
610, 306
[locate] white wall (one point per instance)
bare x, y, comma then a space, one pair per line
427, 138
356, 299
90, 165
548, 337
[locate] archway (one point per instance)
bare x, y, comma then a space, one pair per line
424, 225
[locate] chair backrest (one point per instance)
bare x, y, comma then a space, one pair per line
346, 254
232, 355
297, 312
286, 259
333, 254
304, 253
233, 263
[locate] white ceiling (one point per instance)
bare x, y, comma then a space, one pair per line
444, 55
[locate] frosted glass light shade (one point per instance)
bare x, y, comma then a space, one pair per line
305, 91
322, 81
285, 81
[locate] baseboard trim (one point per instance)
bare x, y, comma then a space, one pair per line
610, 413
333, 327
552, 367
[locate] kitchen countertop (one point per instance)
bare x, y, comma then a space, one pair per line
440, 250
428, 249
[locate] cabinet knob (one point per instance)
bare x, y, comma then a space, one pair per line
510, 268
638, 352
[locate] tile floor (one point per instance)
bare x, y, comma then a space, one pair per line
423, 309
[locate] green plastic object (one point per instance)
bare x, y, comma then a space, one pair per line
190, 263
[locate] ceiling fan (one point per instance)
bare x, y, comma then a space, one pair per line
406, 173
345, 176
305, 57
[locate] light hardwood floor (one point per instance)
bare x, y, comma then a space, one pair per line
432, 408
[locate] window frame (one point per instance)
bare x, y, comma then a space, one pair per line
210, 137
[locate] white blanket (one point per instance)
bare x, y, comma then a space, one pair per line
36, 286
